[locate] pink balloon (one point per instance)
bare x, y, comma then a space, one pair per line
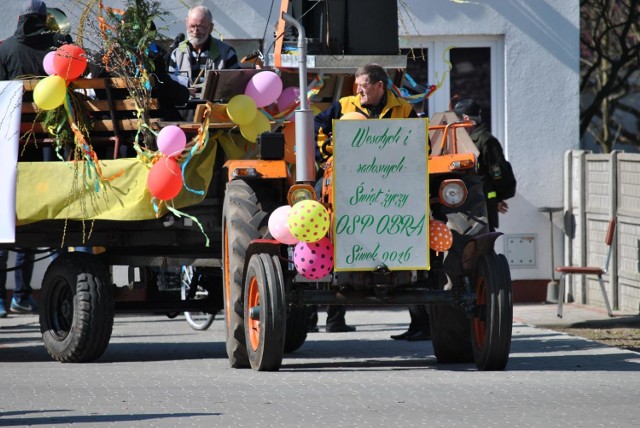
313, 260
288, 97
264, 88
278, 225
47, 63
171, 140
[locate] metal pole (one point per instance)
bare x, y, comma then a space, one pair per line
305, 150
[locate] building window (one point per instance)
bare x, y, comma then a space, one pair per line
472, 67
471, 77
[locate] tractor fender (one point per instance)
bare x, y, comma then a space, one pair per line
477, 246
266, 246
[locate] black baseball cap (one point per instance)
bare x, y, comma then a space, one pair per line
467, 106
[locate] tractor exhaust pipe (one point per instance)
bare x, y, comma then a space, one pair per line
305, 150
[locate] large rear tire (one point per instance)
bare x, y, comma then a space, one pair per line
77, 305
450, 334
491, 325
243, 220
297, 328
265, 313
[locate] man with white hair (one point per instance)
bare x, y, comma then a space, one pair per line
200, 51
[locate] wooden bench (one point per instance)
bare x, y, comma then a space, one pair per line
113, 114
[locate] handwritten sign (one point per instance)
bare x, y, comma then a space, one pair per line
381, 210
10, 105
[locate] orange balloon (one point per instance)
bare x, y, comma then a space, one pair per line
289, 132
440, 237
353, 115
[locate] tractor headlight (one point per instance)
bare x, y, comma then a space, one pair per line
300, 192
452, 193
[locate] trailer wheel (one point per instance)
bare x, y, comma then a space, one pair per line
243, 220
77, 304
265, 313
491, 324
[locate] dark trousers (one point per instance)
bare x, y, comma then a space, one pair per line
22, 274
419, 319
335, 315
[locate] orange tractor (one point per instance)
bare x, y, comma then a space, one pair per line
381, 211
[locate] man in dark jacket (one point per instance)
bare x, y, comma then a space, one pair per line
491, 161
22, 54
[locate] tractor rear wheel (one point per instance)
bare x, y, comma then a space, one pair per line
450, 334
243, 220
265, 313
296, 328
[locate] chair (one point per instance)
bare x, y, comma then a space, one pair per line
589, 270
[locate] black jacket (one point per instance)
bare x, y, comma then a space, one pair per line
22, 54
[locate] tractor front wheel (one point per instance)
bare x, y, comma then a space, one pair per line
265, 313
493, 318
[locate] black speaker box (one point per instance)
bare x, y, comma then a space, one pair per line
271, 145
349, 27
372, 27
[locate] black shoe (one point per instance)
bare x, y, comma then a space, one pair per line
314, 329
340, 328
421, 335
403, 336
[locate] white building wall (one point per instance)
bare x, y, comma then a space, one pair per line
540, 78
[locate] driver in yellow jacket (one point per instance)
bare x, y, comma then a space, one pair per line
372, 99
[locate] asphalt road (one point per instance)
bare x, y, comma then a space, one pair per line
160, 372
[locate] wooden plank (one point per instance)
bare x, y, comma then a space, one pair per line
101, 125
127, 105
99, 83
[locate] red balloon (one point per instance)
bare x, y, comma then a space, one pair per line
70, 62
165, 179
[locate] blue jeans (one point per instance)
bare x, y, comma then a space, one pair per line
22, 274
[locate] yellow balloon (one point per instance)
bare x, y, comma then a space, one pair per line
241, 109
308, 221
257, 126
50, 92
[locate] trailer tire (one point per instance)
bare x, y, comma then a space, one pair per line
77, 307
243, 220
